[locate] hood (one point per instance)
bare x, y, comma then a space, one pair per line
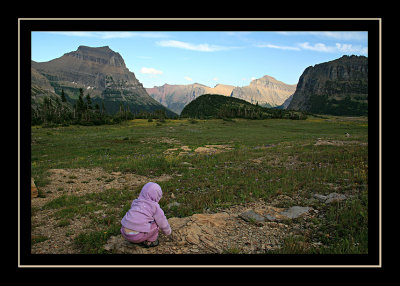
151, 191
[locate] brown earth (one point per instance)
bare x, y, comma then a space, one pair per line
222, 232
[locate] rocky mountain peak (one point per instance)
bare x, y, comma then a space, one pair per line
101, 55
266, 81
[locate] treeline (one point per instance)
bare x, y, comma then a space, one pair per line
257, 112
54, 110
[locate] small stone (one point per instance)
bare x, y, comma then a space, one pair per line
331, 198
295, 212
34, 190
252, 216
335, 197
321, 198
173, 204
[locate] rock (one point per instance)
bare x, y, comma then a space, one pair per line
270, 217
213, 149
186, 148
252, 216
34, 190
199, 229
331, 198
271, 213
173, 204
321, 198
335, 197
295, 212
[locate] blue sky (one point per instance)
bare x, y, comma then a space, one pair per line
209, 58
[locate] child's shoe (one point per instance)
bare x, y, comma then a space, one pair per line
148, 244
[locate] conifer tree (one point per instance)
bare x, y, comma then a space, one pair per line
63, 98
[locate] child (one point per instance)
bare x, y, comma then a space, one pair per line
145, 217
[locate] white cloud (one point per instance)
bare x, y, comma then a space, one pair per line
319, 47
347, 36
337, 48
188, 78
279, 47
349, 48
113, 35
193, 47
151, 71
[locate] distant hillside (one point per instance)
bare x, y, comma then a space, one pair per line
219, 106
338, 87
99, 71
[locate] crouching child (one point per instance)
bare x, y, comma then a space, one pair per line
145, 218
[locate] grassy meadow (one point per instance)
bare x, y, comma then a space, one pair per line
265, 158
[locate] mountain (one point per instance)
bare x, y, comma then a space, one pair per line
267, 91
176, 97
338, 87
220, 106
101, 72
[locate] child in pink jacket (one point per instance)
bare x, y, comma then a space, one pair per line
145, 217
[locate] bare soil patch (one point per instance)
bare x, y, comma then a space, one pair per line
338, 142
59, 237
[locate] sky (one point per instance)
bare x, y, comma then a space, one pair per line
209, 58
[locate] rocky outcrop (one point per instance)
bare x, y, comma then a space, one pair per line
338, 87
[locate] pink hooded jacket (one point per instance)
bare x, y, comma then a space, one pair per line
145, 210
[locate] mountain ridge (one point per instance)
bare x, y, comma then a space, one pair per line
266, 91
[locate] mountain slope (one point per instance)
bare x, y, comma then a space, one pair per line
338, 87
102, 73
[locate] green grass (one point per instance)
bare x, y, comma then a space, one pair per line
290, 164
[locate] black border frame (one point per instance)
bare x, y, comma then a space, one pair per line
373, 258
